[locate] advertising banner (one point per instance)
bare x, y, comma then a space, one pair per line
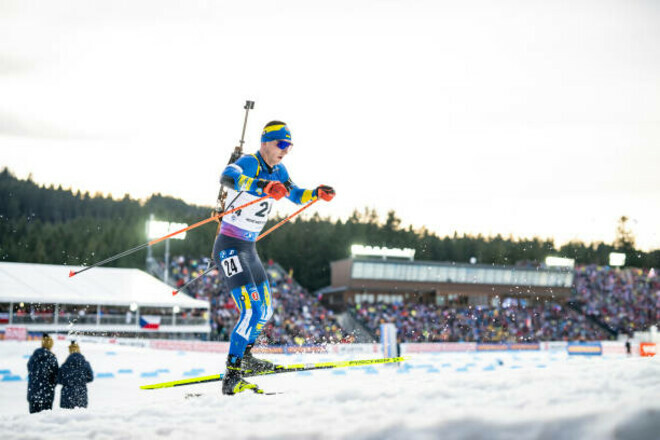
648, 349
584, 348
366, 349
492, 347
16, 333
509, 347
525, 346
214, 347
554, 346
437, 347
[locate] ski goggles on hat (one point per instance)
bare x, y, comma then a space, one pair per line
283, 144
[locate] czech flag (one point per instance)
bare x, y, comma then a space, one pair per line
149, 322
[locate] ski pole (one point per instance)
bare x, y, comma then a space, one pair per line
287, 219
174, 292
211, 267
158, 240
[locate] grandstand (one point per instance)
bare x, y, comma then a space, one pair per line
120, 302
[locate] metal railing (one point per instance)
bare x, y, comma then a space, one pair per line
74, 318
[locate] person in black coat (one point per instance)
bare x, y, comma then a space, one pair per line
42, 376
74, 375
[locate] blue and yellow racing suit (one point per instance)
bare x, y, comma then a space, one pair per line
234, 250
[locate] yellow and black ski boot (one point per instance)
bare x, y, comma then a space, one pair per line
232, 381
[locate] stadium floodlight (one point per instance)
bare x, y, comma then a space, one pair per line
156, 229
358, 250
559, 262
617, 259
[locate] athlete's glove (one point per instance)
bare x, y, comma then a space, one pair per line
325, 192
276, 189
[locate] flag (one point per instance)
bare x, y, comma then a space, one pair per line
150, 322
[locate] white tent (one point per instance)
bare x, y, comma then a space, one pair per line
50, 284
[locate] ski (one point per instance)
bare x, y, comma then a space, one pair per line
189, 396
285, 369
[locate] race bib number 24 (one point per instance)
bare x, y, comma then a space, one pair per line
231, 266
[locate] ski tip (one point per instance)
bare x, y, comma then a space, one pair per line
174, 292
71, 273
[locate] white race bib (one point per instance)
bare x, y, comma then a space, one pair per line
254, 217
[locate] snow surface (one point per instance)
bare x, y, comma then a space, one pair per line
526, 395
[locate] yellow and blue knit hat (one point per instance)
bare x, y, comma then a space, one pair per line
274, 131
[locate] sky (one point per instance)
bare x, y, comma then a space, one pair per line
518, 117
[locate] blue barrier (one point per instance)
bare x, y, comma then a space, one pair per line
164, 370
489, 368
111, 353
339, 373
149, 374
11, 378
461, 369
104, 375
424, 366
125, 371
5, 371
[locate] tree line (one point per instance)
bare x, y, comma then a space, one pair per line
40, 224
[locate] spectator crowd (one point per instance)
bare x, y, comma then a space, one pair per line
298, 317
510, 322
627, 300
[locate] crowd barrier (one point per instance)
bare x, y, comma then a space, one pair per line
371, 350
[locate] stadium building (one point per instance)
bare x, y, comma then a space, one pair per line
392, 276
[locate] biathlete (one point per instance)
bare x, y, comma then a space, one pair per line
250, 177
